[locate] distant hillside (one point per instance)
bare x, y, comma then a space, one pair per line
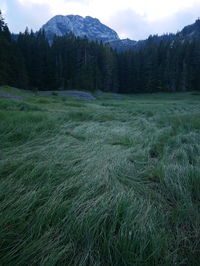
191, 31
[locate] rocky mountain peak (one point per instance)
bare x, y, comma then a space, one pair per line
79, 26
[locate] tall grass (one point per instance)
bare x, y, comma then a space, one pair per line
110, 182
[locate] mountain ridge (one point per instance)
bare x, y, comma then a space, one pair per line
93, 29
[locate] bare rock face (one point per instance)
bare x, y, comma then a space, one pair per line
90, 27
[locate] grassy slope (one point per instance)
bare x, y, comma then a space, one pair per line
106, 182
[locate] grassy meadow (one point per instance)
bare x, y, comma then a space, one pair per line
114, 181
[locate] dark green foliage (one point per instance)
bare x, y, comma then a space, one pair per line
12, 67
161, 66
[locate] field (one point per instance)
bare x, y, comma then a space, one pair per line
113, 181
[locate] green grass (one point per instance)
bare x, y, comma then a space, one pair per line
105, 182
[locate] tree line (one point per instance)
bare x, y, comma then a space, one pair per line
29, 61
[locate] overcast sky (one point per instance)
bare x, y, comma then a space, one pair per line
134, 19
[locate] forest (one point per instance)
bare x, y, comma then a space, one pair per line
29, 61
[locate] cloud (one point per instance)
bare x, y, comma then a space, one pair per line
18, 15
130, 18
130, 24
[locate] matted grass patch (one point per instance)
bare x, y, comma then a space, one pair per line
112, 182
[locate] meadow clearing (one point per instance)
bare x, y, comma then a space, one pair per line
111, 181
